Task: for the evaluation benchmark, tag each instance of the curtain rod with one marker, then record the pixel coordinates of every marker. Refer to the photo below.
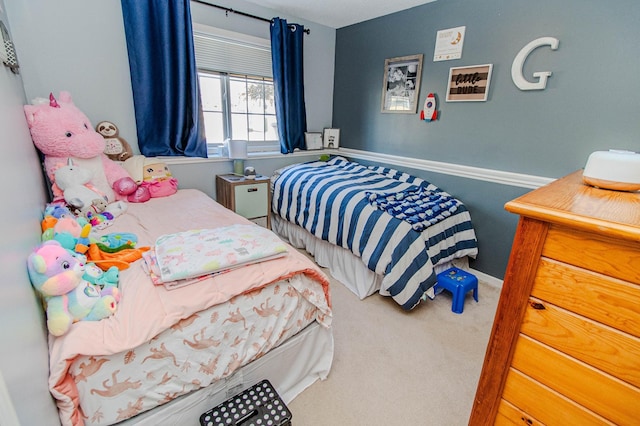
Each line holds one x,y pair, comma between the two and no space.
227,10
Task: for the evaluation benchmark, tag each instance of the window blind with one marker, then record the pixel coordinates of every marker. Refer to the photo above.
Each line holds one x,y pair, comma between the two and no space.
223,54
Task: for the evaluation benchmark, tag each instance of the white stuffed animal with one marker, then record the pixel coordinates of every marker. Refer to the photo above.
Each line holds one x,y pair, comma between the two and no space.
75,183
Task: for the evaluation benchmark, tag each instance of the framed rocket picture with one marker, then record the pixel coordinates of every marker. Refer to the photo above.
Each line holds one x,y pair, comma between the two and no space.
469,83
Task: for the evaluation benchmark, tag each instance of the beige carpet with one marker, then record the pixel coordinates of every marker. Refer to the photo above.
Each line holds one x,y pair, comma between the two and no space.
393,367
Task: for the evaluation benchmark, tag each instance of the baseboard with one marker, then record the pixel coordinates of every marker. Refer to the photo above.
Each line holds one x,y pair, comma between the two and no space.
492,281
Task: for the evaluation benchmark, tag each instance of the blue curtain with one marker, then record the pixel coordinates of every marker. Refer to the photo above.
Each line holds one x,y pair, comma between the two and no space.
164,78
288,83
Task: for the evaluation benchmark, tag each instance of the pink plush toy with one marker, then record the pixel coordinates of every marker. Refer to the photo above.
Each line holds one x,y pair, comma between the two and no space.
61,131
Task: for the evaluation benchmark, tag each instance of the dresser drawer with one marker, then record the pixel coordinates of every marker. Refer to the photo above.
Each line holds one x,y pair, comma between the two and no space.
539,405
252,200
607,300
595,391
610,256
604,348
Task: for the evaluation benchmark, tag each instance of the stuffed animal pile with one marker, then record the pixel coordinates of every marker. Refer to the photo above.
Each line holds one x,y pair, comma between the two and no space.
62,132
70,232
88,189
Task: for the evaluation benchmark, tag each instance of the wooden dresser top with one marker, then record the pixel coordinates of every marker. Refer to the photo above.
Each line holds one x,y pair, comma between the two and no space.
571,202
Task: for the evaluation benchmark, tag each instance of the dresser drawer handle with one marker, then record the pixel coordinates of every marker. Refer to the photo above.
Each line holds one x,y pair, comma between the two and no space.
537,305
252,189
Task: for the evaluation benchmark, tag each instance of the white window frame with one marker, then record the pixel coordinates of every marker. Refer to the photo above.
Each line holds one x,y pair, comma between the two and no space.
241,40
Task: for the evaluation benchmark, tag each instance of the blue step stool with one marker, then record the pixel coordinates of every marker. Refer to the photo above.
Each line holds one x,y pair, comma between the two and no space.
458,283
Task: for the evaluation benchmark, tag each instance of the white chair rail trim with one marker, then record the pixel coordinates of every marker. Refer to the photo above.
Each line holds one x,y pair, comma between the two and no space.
478,173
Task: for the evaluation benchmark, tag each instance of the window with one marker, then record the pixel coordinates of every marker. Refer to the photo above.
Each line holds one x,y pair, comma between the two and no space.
238,107
236,89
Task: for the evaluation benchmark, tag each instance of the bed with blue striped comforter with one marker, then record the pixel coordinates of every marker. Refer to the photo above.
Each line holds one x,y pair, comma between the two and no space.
332,201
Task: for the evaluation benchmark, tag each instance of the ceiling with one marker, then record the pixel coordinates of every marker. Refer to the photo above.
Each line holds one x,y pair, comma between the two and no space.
338,13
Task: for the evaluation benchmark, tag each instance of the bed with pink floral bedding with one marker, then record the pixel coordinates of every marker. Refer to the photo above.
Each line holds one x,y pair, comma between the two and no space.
163,343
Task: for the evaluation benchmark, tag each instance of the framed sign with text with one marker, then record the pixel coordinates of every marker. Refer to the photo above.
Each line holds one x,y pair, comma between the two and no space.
469,83
449,44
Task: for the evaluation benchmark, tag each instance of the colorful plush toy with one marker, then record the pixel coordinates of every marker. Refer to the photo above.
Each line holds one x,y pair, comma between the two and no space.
104,279
57,210
152,175
72,234
61,131
57,274
158,178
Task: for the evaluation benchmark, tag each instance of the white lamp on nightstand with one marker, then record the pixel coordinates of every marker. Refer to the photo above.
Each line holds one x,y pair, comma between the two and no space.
237,150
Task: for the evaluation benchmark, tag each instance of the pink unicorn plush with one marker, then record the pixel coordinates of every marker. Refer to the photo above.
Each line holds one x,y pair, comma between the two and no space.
61,131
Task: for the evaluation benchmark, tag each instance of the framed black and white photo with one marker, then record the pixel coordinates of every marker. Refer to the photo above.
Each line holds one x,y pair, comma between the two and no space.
313,140
401,84
331,138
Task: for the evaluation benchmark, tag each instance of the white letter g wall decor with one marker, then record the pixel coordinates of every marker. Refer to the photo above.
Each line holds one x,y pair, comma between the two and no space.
518,62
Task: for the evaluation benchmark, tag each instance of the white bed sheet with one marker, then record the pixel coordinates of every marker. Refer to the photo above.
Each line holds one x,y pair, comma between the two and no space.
342,263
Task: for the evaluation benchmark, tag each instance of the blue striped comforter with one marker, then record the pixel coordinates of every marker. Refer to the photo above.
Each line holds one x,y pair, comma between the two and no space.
329,200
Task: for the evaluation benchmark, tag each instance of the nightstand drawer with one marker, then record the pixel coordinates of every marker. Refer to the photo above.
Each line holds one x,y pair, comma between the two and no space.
252,200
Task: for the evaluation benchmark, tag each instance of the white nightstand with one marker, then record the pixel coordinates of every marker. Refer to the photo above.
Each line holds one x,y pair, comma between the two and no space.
250,198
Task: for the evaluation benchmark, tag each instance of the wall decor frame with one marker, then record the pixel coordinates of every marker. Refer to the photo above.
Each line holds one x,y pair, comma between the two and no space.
401,84
331,138
469,84
313,140
449,44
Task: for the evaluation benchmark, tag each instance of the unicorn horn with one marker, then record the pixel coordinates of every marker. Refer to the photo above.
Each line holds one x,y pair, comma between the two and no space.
52,101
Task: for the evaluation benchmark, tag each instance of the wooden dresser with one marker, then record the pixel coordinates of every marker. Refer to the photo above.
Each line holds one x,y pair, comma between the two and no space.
565,343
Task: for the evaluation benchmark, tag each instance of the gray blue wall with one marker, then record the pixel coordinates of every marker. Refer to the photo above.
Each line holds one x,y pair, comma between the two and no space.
590,102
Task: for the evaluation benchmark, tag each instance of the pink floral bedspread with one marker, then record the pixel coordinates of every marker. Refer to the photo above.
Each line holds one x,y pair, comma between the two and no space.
147,310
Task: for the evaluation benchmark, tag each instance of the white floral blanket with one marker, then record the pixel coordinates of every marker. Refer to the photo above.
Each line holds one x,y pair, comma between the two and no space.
199,252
